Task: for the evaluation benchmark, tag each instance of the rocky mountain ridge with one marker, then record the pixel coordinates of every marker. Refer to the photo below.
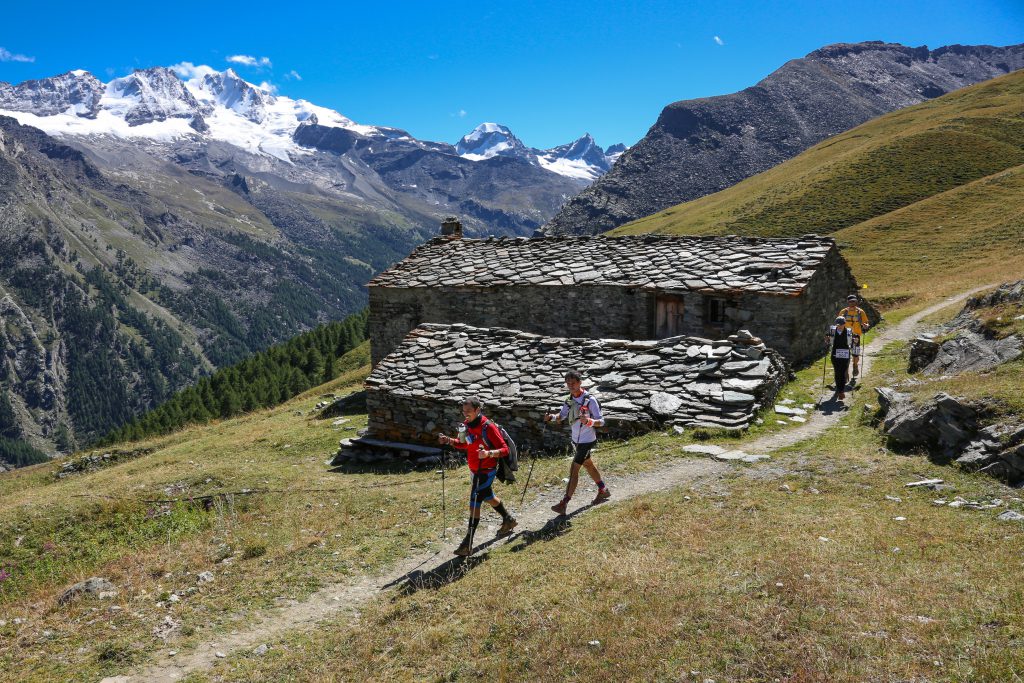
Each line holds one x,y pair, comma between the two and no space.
701,146
582,158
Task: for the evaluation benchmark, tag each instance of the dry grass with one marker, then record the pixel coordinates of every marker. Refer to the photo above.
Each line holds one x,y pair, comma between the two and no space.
734,582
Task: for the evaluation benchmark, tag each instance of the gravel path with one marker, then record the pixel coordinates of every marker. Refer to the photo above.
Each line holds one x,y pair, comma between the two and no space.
432,569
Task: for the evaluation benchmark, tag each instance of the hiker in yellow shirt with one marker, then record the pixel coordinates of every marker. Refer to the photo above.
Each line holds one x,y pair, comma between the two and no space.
857,323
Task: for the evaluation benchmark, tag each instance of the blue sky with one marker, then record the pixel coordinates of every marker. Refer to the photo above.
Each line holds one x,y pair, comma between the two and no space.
550,71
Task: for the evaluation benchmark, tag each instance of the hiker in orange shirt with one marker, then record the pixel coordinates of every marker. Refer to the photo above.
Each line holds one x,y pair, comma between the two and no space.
857,323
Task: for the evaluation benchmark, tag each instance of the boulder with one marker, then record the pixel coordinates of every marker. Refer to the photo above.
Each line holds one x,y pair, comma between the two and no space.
904,423
922,353
97,586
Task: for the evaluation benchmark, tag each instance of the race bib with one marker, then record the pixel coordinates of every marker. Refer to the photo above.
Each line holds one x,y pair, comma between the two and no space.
841,353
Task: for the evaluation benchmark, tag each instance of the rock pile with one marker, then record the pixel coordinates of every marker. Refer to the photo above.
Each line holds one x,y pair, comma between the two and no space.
642,385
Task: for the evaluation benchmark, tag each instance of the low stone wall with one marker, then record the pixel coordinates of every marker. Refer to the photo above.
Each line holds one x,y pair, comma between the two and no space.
415,392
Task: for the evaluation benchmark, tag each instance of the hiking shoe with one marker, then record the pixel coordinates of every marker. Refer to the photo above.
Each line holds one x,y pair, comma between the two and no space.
559,507
464,550
841,397
602,496
507,526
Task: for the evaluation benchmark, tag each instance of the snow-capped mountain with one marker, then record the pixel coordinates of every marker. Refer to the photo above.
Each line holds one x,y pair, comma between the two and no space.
169,104
582,159
488,140
183,102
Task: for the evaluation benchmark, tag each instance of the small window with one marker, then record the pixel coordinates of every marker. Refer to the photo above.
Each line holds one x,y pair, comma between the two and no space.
714,311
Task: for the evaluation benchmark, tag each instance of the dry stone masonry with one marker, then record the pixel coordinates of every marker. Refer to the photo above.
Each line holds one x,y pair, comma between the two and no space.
642,385
786,291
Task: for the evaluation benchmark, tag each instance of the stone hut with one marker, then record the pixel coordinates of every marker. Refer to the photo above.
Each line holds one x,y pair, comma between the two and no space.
785,291
642,385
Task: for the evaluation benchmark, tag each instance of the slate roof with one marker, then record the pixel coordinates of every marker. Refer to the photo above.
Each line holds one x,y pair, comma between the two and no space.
664,262
686,381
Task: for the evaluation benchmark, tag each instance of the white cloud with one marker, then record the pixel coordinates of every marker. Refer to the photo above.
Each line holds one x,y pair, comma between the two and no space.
188,70
268,87
293,74
248,60
7,56
460,113
719,41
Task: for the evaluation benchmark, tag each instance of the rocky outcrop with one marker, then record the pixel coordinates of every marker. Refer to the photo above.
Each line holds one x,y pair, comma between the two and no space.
922,352
701,146
950,430
642,385
969,351
974,346
944,425
997,450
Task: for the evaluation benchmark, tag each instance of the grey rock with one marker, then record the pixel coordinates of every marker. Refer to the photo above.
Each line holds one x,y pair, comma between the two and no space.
708,449
96,586
1010,516
973,352
665,404
640,361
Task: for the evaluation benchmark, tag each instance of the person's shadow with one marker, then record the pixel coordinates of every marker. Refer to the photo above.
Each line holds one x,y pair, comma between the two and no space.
453,569
833,405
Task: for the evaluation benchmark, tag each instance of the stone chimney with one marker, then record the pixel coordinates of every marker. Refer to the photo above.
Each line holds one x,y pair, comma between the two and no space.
451,227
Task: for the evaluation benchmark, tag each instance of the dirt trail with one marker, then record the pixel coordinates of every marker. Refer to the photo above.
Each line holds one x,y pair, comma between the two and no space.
536,519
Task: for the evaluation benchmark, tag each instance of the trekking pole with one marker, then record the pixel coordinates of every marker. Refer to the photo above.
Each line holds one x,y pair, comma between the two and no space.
824,370
533,460
444,499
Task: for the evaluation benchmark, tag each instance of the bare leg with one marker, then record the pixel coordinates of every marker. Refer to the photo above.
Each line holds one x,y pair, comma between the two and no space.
574,478
592,470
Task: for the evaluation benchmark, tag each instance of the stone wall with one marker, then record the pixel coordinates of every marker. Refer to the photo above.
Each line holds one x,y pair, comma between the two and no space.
585,311
642,385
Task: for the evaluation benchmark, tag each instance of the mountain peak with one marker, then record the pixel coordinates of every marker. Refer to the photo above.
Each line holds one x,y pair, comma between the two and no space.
231,91
489,140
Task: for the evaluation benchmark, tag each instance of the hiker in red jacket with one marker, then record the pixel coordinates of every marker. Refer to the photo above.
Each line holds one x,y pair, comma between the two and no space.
483,443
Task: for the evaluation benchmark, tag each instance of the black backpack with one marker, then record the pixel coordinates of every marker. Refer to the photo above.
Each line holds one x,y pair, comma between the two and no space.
509,465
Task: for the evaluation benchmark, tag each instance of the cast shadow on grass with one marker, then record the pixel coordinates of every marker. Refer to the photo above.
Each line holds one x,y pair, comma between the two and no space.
554,528
450,571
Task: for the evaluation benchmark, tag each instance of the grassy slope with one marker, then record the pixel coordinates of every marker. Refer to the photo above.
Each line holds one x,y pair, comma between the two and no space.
796,574
926,200
699,575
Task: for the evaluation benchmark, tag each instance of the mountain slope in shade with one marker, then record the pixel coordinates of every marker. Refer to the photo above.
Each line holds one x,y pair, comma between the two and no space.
701,146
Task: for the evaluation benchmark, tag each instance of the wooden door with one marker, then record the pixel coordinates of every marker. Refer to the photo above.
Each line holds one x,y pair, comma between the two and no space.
668,317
